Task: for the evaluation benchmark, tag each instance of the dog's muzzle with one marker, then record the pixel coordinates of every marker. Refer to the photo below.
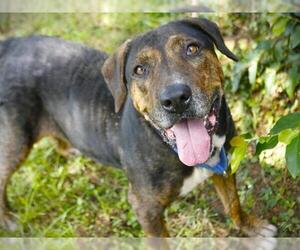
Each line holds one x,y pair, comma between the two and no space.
189,136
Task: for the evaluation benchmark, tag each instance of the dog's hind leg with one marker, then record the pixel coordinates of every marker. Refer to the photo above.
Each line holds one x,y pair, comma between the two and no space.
15,143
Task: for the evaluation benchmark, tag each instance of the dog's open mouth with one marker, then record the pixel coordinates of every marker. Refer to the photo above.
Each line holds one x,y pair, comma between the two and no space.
192,137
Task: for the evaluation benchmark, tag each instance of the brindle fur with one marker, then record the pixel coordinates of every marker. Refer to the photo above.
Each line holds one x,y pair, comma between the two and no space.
53,87
161,51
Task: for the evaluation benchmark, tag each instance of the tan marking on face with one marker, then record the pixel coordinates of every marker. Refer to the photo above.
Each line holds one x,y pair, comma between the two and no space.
203,71
208,73
140,98
149,56
143,89
174,44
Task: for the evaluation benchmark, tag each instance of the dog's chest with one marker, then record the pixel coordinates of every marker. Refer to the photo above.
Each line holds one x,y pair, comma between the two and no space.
201,174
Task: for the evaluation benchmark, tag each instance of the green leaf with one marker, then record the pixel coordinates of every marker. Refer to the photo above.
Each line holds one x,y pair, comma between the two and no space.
267,143
292,156
263,139
253,62
237,141
289,28
278,50
287,135
252,71
293,58
293,80
270,77
264,45
279,26
237,73
295,37
289,121
237,156
247,136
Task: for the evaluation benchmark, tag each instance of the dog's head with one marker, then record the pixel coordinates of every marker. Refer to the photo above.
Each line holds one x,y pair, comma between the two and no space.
175,81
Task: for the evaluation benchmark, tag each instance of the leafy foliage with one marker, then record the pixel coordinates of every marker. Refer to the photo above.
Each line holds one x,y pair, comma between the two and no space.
291,121
275,59
269,72
239,153
285,130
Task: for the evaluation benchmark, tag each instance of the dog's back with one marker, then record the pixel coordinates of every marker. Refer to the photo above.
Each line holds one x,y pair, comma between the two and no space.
33,60
55,87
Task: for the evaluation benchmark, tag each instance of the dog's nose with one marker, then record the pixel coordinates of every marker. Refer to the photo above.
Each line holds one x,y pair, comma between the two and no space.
176,98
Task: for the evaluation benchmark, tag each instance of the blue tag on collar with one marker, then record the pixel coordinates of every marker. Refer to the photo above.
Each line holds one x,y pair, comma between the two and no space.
221,167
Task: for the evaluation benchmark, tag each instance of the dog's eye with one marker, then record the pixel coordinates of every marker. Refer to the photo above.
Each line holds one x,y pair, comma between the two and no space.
192,49
139,70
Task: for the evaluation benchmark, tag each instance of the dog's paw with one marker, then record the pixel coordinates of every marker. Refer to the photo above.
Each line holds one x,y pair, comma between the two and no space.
258,243
262,235
261,232
261,229
267,230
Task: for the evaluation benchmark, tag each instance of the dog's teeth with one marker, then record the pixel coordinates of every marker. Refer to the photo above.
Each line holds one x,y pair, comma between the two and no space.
170,134
206,120
208,125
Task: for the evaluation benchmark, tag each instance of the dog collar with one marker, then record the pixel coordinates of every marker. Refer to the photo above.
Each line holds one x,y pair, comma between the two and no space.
220,168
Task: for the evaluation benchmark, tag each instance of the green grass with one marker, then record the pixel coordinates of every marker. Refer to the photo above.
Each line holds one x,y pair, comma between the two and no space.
55,196
65,197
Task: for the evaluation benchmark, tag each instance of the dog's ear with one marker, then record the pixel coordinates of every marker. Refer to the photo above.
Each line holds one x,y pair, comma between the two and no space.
212,30
113,71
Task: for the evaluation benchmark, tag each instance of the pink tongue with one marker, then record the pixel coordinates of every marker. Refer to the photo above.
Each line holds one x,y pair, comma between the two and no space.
193,141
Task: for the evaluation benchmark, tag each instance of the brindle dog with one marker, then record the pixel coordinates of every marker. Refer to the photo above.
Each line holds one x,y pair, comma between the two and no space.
166,87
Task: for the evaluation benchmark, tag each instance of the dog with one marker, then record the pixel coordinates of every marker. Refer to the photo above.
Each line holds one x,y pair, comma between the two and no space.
155,108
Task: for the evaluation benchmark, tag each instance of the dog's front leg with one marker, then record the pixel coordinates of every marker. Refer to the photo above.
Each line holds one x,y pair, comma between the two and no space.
226,189
149,211
248,224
